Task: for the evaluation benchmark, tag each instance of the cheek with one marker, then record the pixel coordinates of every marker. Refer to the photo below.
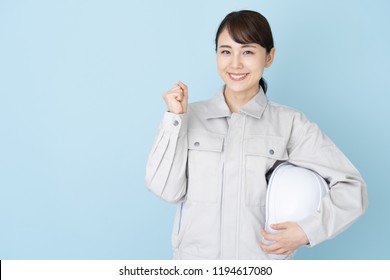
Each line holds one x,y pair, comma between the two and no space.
257,67
219,62
221,65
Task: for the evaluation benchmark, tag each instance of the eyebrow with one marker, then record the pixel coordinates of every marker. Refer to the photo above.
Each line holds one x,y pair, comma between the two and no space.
243,46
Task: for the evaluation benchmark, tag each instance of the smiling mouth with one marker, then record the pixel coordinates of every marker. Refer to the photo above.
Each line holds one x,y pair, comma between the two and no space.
237,77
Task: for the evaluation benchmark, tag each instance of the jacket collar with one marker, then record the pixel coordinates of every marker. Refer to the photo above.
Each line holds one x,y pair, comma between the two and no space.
217,107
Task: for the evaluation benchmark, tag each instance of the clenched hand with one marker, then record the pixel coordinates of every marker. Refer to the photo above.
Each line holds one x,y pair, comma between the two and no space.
177,98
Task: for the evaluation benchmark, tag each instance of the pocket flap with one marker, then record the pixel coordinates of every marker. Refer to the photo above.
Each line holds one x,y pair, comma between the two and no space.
266,146
205,141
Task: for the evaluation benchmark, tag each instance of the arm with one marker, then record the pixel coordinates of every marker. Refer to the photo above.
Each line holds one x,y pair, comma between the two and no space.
166,167
347,198
340,208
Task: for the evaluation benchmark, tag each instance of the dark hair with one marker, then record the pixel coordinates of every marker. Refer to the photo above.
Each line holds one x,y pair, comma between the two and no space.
246,27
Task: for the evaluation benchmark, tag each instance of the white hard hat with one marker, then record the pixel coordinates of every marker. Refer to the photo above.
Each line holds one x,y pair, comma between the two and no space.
293,194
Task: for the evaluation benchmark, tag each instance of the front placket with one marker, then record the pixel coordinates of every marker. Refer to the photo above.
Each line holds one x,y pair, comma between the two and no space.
232,187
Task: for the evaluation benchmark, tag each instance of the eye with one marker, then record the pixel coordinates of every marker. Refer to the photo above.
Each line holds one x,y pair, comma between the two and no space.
248,52
225,52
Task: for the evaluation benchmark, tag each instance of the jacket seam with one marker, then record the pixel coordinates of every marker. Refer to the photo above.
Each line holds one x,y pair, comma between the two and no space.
240,186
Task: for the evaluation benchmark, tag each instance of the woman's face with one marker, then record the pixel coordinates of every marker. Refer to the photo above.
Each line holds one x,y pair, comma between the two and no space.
241,66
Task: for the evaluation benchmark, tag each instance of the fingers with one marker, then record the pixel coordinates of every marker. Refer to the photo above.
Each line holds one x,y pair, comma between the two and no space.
179,90
289,237
274,248
277,250
266,235
280,226
184,88
173,95
177,98
270,236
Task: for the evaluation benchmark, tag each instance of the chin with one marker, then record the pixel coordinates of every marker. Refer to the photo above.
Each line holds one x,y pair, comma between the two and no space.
236,88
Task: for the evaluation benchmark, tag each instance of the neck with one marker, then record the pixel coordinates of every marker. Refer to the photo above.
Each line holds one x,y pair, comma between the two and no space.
235,100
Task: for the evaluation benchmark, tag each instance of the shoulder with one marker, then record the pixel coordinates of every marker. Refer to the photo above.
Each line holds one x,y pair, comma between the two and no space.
284,112
301,128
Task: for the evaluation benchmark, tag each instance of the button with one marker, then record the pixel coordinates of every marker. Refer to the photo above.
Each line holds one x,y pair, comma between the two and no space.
175,122
196,144
271,152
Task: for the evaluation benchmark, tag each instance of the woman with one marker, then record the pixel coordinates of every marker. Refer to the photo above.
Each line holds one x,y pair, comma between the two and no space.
212,158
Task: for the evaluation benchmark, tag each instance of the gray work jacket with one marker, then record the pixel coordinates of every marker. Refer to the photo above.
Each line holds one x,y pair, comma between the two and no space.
213,164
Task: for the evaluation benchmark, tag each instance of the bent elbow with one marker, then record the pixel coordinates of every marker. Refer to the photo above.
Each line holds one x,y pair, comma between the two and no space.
174,193
362,203
364,198
172,199
171,193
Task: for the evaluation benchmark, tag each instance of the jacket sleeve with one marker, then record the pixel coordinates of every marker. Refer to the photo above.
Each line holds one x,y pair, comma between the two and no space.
167,163
347,198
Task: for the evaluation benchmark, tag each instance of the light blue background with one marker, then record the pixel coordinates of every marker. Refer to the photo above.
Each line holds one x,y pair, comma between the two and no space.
80,102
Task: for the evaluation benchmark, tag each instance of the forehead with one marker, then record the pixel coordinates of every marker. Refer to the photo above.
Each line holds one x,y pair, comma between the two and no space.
225,39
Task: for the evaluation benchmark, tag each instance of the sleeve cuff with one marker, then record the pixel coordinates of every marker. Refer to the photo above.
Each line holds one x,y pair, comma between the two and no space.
174,123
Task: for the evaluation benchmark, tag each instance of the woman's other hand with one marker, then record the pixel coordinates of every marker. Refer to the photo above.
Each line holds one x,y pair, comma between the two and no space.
285,242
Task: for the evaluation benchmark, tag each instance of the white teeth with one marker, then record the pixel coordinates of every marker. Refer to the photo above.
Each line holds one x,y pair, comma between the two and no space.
237,77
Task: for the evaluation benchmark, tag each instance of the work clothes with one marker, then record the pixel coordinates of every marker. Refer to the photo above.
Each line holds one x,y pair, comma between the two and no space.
214,165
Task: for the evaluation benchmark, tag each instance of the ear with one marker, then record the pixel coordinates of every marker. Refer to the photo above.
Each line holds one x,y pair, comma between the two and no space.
269,58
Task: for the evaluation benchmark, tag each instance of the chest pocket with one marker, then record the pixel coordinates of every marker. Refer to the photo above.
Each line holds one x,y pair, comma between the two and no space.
261,153
204,165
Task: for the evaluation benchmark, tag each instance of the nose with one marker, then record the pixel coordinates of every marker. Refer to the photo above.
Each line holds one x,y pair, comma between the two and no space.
236,62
